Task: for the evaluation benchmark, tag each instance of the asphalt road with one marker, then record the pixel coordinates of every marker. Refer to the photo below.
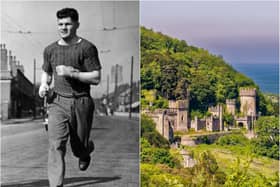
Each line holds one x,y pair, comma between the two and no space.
115,161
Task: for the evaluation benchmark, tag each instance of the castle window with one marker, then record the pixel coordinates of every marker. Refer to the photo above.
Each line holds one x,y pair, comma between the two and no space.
182,118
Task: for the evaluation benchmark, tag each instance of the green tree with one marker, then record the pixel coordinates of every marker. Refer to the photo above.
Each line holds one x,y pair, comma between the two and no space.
267,141
206,171
149,132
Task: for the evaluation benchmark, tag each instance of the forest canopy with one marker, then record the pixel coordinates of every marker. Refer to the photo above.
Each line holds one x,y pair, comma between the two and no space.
170,67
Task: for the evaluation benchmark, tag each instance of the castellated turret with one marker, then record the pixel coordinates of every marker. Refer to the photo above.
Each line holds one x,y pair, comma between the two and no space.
181,109
231,106
248,101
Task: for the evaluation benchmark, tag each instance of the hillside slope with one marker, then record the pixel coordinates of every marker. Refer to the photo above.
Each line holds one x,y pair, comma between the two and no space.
169,66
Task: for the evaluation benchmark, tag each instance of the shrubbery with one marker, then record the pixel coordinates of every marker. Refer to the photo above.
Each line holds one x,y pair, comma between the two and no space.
155,155
157,176
149,132
207,172
240,177
154,147
233,139
267,141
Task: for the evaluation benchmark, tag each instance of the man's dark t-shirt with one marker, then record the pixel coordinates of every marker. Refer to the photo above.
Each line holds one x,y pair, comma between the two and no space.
82,56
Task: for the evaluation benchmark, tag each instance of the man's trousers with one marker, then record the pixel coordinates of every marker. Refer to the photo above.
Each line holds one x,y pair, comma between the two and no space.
68,117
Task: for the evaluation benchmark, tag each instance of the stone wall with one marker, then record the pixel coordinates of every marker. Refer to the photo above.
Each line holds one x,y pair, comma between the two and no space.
231,106
198,124
248,101
212,124
193,140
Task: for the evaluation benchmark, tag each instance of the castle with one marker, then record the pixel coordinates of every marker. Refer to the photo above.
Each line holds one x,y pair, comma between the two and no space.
177,118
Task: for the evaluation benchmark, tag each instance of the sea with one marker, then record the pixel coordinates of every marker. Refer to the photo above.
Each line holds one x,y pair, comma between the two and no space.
266,76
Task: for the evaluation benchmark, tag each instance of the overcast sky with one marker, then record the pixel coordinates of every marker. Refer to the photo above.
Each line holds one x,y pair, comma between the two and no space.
115,46
242,32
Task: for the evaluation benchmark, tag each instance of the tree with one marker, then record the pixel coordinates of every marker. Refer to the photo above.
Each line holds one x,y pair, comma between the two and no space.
181,91
149,132
206,171
168,80
267,141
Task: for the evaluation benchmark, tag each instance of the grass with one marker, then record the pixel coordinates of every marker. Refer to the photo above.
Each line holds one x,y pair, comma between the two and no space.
226,157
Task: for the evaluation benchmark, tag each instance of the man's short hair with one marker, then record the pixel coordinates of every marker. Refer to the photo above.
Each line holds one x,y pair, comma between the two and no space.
68,12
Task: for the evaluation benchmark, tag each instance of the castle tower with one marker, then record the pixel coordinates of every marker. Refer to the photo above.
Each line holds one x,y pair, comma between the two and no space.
217,112
181,108
231,106
248,101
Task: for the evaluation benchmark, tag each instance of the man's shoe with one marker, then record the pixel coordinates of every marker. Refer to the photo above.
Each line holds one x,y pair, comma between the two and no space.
84,163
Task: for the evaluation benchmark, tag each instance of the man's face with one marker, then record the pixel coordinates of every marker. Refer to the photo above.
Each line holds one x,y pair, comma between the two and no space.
67,28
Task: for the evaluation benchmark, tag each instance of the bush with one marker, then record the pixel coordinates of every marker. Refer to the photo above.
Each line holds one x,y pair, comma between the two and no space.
233,139
148,131
239,176
155,176
154,155
267,141
206,171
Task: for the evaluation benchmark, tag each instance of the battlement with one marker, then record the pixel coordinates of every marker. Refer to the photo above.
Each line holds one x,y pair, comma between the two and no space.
215,108
179,104
247,92
230,101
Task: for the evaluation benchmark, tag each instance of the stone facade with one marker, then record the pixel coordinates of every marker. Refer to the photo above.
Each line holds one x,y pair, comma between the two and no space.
198,124
212,122
247,108
17,97
175,118
248,101
230,104
180,107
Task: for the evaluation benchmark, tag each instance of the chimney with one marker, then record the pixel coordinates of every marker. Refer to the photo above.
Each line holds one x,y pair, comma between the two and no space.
4,62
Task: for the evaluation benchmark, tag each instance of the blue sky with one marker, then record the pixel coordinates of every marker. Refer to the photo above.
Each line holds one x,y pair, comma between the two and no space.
242,32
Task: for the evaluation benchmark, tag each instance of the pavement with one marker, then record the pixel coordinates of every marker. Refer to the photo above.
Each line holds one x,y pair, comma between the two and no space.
115,161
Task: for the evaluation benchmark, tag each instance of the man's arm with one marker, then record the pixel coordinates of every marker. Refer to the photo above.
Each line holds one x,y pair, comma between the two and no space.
92,77
46,80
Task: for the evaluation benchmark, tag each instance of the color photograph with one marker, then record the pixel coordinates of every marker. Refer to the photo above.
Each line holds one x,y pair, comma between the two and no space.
209,93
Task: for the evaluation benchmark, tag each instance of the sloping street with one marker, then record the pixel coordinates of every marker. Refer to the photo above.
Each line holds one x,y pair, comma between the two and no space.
115,161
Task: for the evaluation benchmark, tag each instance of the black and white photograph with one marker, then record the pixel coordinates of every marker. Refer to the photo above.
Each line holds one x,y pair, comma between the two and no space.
70,93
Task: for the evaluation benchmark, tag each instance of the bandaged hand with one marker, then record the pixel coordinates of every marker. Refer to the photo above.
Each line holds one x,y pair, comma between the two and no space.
44,88
65,71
